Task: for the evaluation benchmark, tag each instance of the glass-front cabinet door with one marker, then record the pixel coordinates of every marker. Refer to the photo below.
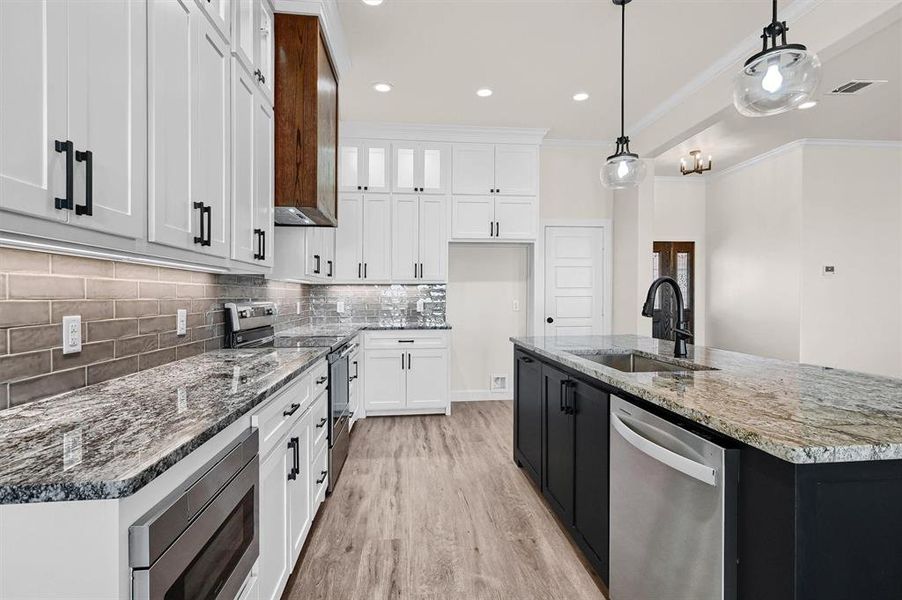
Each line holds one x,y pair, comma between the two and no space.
406,173
435,163
378,174
350,166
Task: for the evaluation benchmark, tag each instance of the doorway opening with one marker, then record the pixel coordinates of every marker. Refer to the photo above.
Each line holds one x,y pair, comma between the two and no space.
677,260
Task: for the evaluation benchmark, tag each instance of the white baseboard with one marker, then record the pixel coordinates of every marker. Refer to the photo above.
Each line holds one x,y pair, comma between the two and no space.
479,395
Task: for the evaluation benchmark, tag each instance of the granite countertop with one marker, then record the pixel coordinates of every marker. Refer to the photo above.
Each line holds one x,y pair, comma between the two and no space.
799,413
333,336
111,439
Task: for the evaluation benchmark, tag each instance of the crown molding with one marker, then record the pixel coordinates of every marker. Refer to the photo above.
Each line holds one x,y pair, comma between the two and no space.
440,133
801,143
333,31
571,143
730,60
679,179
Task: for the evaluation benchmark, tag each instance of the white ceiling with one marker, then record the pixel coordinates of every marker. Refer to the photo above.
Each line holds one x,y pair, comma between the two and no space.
534,54
875,114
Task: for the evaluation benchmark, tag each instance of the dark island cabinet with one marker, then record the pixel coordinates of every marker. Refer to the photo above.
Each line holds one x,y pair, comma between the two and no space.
561,442
558,472
528,415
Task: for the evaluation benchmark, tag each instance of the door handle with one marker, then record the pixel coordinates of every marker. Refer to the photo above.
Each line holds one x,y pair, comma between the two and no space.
359,270
69,148
568,398
561,403
402,361
414,270
293,446
684,465
321,380
421,270
526,359
491,229
258,255
549,320
87,208
364,270
263,243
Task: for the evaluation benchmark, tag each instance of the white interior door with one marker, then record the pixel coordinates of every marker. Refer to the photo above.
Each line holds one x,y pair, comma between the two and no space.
574,281
33,111
405,261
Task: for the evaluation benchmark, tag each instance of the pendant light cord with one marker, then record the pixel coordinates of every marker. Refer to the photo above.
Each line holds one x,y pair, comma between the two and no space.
623,68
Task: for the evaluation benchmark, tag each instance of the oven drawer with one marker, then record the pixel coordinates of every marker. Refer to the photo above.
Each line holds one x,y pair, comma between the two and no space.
276,416
319,478
418,338
319,376
319,425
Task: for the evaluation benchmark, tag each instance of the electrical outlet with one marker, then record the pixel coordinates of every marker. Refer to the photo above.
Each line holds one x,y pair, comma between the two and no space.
516,306
181,322
499,383
829,270
340,306
72,334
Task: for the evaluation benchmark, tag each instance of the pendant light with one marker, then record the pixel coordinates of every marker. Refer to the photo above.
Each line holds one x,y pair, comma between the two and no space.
778,79
623,169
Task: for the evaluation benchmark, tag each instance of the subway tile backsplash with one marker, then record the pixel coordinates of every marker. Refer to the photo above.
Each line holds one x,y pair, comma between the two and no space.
128,316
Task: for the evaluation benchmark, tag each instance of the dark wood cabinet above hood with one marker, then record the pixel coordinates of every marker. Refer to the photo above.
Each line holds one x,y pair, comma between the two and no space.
306,138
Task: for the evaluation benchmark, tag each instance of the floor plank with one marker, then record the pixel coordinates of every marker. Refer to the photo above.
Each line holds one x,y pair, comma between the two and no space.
433,508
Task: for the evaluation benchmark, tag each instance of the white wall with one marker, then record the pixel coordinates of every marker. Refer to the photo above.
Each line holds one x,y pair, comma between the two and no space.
680,217
771,228
753,247
570,184
484,281
851,218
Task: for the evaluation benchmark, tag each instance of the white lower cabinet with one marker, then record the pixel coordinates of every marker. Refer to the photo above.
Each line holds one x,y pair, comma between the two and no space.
406,372
291,487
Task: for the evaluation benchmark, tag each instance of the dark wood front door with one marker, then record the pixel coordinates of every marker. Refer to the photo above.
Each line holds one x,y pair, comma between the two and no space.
677,260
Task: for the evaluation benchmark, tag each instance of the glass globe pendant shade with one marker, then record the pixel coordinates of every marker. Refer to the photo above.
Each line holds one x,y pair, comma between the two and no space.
622,171
776,81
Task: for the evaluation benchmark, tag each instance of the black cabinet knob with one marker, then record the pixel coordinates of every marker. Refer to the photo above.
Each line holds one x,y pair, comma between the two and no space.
549,320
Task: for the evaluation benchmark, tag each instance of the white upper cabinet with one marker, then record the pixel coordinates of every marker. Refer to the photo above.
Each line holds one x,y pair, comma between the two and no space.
349,238
264,178
244,31
500,169
377,236
473,217
420,240
420,168
220,12
189,125
474,169
515,218
516,170
73,126
252,40
264,57
364,166
244,108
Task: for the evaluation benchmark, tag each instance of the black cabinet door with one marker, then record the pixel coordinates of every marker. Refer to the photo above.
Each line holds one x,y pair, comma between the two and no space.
591,464
528,415
557,474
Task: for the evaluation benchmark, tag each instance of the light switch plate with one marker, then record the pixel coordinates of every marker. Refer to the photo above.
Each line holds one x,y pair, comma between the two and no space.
516,306
72,334
181,322
421,304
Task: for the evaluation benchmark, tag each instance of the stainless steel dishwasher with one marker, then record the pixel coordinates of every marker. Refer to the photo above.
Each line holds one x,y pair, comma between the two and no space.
673,510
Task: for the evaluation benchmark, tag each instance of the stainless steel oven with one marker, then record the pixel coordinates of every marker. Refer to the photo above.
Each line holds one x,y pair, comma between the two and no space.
339,411
202,540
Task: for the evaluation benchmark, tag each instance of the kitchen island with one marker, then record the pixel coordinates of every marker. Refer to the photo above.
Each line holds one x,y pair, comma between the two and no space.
819,469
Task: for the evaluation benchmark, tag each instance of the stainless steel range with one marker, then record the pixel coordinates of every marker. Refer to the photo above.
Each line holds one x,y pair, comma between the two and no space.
251,325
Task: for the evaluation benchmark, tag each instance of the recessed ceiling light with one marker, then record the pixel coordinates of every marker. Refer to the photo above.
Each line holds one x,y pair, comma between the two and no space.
807,105
581,96
372,2
382,87
484,92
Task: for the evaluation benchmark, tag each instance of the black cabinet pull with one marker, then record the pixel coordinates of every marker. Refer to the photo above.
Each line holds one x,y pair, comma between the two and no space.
293,446
402,361
316,268
87,208
321,423
322,478
409,361
491,229
497,229
563,384
322,380
414,270
258,255
263,243
262,78
205,210
406,341
421,270
329,274
356,370
258,74
364,270
526,359
294,408
66,203
359,270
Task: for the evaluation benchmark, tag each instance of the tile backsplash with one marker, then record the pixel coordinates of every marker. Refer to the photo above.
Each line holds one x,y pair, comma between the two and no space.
128,314
378,304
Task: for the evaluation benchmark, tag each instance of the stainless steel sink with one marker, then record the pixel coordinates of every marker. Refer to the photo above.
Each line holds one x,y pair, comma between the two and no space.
629,362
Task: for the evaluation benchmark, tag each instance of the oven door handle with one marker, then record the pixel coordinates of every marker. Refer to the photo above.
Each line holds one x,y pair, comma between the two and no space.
166,570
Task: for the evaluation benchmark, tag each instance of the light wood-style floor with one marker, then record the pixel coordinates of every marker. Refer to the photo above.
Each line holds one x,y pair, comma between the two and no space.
435,508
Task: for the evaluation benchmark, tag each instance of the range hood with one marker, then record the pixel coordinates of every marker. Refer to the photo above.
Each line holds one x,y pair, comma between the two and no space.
306,125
